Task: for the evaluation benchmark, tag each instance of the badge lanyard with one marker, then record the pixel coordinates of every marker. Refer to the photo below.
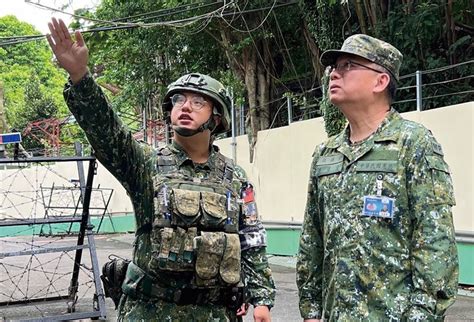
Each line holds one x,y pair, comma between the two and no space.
379,184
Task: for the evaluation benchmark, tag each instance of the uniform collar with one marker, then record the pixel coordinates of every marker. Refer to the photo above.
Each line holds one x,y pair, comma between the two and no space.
384,132
182,157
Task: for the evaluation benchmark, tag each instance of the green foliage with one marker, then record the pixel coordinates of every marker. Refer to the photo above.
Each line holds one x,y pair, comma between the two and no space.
24,67
143,61
419,29
38,107
334,120
324,22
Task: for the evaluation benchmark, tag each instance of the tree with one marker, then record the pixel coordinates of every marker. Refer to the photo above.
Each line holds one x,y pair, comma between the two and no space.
245,38
39,107
413,26
32,83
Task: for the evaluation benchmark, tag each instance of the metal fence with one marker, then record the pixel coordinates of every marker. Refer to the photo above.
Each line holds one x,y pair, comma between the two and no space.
421,90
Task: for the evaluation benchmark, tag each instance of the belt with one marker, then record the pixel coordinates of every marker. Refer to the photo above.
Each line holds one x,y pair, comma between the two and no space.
139,283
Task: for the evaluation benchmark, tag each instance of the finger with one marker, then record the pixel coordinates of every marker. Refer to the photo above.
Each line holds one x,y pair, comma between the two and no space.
54,31
50,27
79,39
51,43
63,29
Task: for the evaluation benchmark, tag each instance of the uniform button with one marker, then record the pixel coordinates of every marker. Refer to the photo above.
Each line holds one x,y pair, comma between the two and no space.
380,176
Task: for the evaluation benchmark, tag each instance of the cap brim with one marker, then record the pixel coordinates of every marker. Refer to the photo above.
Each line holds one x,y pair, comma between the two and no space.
329,57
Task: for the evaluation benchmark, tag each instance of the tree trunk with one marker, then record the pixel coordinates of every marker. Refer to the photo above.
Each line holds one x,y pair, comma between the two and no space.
360,16
384,8
225,42
368,10
250,74
3,121
314,51
409,4
111,88
264,76
450,29
373,8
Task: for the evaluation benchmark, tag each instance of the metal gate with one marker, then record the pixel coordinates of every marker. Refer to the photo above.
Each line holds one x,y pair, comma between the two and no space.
45,277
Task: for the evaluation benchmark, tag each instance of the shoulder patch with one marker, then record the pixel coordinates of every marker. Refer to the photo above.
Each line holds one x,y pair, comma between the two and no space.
437,148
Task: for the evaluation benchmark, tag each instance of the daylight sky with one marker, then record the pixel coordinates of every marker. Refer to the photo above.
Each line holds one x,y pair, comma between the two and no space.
39,17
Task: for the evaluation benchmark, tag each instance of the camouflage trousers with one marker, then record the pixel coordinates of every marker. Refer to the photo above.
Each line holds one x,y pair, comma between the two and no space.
131,309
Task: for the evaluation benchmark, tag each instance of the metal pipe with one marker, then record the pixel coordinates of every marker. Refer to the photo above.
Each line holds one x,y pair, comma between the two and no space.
232,112
419,107
290,110
242,119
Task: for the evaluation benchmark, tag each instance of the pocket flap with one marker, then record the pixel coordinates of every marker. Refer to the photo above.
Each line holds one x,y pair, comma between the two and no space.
377,166
230,265
327,169
209,254
437,163
214,204
186,202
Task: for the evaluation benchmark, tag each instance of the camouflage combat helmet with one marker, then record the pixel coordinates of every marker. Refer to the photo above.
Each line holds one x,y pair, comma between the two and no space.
210,88
370,48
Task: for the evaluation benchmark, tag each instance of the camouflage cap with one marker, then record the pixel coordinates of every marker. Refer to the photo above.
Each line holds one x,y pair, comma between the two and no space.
370,48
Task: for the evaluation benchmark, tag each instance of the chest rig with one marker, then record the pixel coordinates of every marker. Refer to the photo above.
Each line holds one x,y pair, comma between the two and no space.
195,224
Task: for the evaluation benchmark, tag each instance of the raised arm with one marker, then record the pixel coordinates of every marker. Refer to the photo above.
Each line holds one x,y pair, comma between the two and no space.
72,55
113,143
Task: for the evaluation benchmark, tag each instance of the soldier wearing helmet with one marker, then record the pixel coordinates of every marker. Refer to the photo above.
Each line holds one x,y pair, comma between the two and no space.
202,90
199,253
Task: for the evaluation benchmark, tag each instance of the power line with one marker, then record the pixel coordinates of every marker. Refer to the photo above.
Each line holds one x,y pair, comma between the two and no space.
14,40
287,50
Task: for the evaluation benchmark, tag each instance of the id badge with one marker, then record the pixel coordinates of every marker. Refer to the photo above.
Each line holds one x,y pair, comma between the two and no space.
380,207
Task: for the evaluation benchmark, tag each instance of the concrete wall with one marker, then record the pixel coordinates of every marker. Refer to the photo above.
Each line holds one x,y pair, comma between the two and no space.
281,166
283,156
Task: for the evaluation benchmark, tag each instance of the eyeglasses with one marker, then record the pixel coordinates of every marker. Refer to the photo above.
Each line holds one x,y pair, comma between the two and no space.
348,65
197,102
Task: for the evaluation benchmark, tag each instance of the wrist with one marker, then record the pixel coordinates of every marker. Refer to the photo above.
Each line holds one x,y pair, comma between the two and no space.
77,76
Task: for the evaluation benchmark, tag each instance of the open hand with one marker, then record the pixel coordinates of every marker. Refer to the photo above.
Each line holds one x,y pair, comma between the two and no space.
72,55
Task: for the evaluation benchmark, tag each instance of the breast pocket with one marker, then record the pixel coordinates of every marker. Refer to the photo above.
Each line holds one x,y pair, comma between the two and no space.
385,172
328,165
327,172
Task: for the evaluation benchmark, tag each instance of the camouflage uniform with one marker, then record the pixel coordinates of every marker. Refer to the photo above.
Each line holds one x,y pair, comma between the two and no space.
136,168
378,240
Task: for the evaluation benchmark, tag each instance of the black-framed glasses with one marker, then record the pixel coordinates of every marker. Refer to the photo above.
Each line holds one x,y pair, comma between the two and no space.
197,102
348,65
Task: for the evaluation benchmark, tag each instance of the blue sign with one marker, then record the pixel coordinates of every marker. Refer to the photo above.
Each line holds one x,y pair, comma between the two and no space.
10,138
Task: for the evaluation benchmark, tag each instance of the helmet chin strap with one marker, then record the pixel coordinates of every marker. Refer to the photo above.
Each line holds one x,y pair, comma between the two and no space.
210,124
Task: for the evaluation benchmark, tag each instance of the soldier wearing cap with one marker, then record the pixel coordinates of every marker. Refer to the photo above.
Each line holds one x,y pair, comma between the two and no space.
198,239
378,240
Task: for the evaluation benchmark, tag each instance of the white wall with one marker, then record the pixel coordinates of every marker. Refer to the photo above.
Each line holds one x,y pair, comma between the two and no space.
283,156
281,167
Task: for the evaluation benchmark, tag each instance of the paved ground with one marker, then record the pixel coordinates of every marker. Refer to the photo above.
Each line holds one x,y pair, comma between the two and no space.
286,306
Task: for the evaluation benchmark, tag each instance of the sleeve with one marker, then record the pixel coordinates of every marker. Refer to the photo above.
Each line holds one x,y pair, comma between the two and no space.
433,247
113,143
309,265
260,287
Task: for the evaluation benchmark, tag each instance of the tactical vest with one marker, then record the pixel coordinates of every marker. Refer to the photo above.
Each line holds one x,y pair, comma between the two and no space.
195,224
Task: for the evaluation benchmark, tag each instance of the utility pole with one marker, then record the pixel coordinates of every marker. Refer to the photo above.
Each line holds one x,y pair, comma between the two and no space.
3,123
